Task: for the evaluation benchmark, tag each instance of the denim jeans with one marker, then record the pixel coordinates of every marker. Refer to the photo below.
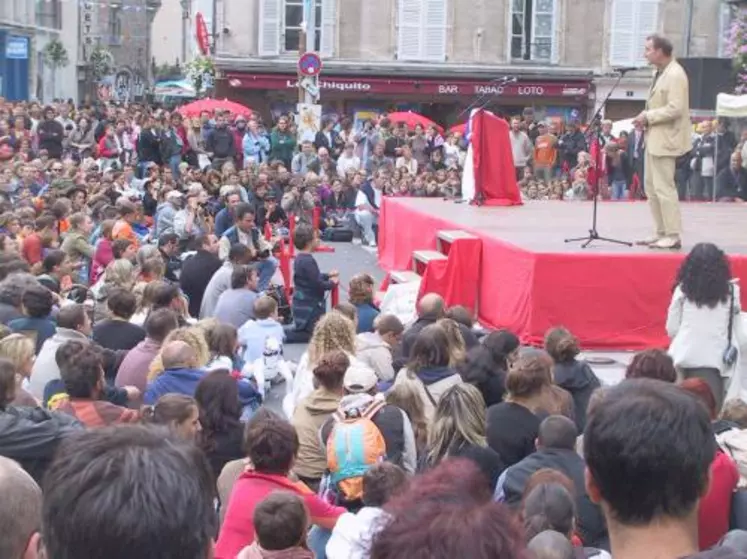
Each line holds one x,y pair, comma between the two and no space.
618,189
367,220
265,270
174,161
317,541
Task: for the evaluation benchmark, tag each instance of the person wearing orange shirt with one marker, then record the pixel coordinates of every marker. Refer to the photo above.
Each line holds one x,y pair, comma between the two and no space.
545,153
123,226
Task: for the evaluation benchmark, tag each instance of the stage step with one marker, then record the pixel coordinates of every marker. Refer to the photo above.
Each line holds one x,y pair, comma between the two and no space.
445,238
421,258
403,276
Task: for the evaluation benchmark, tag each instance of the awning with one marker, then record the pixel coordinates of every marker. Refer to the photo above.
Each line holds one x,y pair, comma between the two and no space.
572,89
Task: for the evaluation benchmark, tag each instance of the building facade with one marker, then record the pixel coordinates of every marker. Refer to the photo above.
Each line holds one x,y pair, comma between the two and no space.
26,27
442,57
122,28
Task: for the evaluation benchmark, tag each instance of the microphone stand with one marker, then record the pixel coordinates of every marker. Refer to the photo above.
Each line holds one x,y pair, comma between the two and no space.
594,133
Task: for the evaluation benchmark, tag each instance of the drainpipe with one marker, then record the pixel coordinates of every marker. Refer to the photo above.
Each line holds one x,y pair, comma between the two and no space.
688,27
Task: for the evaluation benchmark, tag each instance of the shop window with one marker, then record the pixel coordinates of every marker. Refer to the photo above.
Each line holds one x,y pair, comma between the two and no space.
421,31
48,13
281,21
114,25
631,22
533,30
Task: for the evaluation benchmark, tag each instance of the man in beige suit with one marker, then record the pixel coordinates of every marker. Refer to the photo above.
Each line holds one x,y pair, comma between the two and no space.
668,135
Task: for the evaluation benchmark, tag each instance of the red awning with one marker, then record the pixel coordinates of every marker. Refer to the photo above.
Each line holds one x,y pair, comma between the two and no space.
430,86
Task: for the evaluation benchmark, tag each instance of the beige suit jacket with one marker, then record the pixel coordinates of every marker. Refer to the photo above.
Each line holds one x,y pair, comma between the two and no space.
669,130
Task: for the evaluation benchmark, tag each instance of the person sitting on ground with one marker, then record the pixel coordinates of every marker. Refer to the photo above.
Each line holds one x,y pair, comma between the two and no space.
715,505
376,349
272,445
72,324
83,378
312,412
352,535
735,412
310,287
178,412
649,491
253,334
29,435
37,303
20,512
361,400
361,295
238,255
198,269
137,473
117,332
18,350
281,523
486,365
430,310
236,305
348,310
437,517
180,374
569,373
459,430
556,449
134,367
222,343
551,545
428,370
653,364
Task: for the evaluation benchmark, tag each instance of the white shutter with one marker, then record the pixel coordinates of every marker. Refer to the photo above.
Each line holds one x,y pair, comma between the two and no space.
409,40
269,27
328,27
647,23
622,32
543,30
434,30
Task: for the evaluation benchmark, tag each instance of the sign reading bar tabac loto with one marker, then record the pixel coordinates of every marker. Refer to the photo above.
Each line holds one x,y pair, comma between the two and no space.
425,86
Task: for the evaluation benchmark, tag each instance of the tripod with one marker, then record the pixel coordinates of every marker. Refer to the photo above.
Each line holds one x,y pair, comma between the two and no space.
594,134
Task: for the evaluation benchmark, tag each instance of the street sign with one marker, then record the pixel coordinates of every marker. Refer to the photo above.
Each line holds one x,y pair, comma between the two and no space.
310,85
309,64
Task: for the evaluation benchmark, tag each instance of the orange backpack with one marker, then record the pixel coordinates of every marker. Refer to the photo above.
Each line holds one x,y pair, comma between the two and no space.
354,445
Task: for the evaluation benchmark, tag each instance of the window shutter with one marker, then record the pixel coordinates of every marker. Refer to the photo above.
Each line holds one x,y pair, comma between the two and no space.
328,26
434,30
269,27
647,23
622,32
409,40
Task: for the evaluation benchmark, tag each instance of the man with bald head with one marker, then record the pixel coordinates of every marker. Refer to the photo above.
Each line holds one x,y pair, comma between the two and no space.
431,309
20,512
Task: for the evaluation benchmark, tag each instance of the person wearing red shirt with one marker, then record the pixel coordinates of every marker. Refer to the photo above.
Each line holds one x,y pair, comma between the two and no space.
123,226
32,249
272,444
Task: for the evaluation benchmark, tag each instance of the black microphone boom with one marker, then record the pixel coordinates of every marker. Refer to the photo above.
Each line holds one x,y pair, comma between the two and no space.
626,69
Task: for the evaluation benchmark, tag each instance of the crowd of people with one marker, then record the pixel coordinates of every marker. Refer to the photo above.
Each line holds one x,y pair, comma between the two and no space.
144,321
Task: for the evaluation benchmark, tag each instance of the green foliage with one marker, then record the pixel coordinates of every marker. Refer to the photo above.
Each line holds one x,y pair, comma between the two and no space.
55,54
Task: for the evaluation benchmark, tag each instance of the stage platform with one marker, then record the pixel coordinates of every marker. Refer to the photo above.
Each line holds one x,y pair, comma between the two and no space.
610,296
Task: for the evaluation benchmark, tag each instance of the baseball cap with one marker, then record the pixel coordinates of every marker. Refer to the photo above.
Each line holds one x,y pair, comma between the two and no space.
174,194
359,378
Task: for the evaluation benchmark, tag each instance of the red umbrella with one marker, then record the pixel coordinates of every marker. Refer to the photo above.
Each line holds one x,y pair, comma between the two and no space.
458,129
411,119
194,108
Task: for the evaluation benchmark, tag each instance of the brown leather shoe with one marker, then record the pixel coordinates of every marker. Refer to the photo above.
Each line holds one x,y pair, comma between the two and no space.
667,243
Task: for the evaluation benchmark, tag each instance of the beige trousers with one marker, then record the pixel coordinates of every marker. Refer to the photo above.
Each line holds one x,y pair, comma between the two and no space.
662,195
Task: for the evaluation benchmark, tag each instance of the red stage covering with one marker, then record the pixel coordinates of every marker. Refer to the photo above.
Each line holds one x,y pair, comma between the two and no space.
493,167
457,278
608,300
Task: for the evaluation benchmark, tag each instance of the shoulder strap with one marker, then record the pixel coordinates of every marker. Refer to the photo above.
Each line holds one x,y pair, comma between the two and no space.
430,396
373,408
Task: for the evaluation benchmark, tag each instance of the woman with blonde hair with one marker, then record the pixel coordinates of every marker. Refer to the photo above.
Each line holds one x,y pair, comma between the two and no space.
20,350
457,348
118,273
459,430
333,332
405,397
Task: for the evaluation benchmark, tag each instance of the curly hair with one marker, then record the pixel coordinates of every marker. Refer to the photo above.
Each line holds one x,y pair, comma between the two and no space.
192,336
333,331
361,289
704,275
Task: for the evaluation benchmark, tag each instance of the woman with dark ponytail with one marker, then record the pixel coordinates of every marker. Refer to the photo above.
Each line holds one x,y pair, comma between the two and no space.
486,365
571,374
176,411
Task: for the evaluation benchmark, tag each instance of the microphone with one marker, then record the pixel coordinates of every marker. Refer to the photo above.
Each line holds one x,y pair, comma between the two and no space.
626,69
